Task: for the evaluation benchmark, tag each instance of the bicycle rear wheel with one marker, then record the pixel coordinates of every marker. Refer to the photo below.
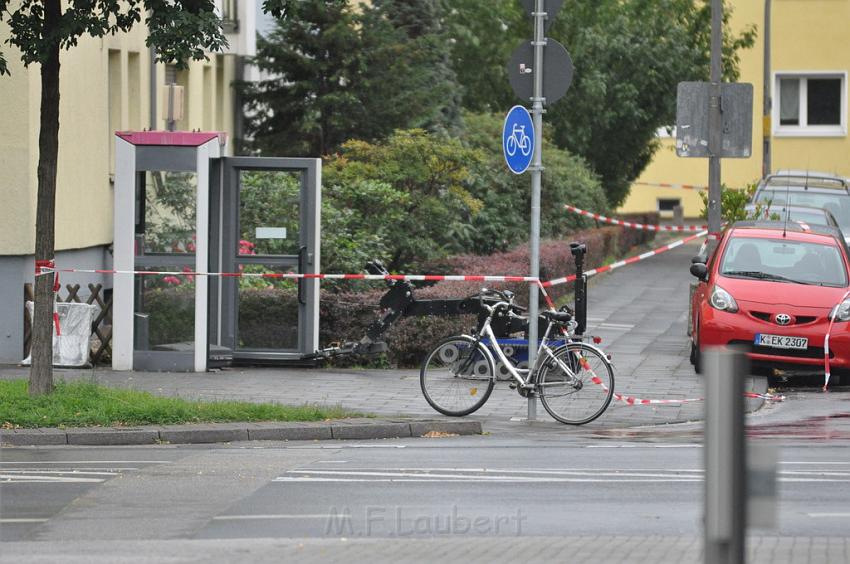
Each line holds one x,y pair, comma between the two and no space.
457,376
576,386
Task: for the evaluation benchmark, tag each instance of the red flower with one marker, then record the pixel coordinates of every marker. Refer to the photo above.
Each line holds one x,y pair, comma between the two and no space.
172,280
190,277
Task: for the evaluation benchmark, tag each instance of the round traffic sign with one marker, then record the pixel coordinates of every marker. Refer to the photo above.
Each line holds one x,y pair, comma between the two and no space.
518,139
557,71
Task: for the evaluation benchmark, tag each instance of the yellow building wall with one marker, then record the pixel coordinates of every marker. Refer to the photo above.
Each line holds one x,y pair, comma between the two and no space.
807,35
88,118
17,212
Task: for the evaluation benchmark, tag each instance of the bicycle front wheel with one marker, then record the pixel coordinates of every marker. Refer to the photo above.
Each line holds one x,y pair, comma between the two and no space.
457,376
576,384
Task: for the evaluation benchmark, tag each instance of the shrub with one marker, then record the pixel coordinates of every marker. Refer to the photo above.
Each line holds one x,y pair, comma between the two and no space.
171,313
503,221
733,203
268,318
346,315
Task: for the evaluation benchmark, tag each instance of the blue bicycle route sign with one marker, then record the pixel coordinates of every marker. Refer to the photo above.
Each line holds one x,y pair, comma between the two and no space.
518,139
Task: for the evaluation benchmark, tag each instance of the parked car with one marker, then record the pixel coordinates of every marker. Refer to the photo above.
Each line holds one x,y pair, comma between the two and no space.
807,188
801,214
769,288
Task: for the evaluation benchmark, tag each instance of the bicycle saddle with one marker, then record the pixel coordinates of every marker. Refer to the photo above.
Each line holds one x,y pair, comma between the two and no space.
556,316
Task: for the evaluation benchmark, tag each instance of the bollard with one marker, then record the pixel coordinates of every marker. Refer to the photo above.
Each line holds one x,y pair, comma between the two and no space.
579,250
724,457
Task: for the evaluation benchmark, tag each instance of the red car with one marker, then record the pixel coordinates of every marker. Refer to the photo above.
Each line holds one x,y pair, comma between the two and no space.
770,288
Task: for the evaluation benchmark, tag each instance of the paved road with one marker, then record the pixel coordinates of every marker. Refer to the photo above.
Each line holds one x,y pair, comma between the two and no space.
639,311
491,498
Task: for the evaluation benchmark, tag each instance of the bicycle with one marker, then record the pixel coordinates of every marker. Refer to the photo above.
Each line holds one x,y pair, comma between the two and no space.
575,381
523,141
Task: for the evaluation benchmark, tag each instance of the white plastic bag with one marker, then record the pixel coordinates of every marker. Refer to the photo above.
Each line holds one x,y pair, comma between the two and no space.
71,345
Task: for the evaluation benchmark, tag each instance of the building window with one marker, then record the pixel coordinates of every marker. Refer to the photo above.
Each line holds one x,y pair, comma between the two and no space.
810,104
666,206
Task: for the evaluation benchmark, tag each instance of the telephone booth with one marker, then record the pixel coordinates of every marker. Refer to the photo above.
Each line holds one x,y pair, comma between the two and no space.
183,208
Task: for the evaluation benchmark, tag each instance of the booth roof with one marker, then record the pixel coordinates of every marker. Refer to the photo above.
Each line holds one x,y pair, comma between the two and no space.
174,138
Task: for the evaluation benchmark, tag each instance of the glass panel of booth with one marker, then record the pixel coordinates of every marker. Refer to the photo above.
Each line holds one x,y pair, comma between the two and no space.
269,212
268,308
165,309
165,219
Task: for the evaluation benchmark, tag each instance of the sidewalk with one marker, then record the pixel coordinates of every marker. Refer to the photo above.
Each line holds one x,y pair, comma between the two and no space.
640,312
603,549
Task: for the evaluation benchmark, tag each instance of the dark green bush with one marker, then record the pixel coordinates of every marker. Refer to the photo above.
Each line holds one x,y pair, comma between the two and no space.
171,313
345,316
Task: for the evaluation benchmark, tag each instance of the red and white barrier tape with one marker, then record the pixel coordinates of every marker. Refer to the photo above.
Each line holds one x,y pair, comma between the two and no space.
46,267
407,277
677,186
632,225
630,400
294,275
622,263
826,372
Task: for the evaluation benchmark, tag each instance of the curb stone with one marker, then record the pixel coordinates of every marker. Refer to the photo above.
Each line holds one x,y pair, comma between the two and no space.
342,429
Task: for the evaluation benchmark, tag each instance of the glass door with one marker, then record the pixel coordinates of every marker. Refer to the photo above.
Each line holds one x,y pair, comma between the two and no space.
269,227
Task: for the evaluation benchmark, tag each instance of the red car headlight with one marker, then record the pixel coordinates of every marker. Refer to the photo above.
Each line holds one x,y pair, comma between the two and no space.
722,300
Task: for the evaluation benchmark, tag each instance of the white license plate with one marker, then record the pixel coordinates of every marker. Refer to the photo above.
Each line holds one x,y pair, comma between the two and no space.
781,342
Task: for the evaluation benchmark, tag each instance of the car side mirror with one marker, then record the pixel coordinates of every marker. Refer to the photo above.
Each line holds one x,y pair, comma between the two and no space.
700,270
698,258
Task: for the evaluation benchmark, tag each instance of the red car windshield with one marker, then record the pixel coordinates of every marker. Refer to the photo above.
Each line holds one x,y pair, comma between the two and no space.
783,260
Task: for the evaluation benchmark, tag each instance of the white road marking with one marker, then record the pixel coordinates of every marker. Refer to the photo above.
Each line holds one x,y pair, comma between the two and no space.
687,445
62,472
339,447
31,479
497,480
617,325
472,477
291,516
69,462
818,515
544,471
494,475
821,463
21,520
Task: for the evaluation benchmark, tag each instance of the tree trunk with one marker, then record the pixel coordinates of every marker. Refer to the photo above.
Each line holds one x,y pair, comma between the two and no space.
41,374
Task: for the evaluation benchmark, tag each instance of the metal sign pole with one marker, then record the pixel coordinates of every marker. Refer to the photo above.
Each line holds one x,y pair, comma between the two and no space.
536,181
724,458
715,119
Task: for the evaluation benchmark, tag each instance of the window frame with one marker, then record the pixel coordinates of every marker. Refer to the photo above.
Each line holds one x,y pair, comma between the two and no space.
805,130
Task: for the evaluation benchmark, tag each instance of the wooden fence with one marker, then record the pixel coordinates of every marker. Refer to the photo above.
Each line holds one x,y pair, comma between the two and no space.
101,327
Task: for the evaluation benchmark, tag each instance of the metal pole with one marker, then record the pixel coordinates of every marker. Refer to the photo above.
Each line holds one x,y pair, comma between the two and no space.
152,122
768,104
715,118
724,457
536,181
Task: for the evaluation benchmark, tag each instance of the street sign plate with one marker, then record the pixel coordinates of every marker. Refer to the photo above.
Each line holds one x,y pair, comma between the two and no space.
692,110
551,7
518,139
557,71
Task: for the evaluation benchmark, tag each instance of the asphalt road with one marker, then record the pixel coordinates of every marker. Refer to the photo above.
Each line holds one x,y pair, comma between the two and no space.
640,483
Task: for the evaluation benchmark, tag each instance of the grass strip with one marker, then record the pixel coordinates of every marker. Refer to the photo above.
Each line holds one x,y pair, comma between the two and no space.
85,404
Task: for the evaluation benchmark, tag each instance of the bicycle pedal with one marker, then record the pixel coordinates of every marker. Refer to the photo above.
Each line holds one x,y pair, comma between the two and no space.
512,385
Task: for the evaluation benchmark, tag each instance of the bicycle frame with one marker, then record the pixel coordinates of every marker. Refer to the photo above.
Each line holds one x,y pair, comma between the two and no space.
530,372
